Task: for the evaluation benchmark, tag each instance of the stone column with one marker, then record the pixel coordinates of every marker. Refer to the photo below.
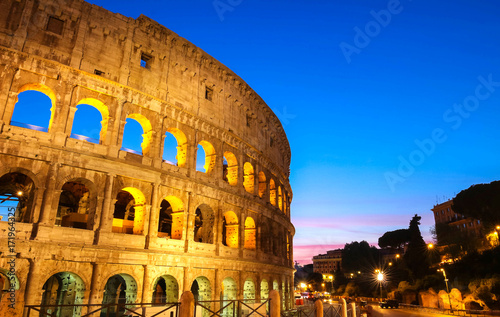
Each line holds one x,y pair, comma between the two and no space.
147,296
33,291
107,208
47,216
153,216
96,292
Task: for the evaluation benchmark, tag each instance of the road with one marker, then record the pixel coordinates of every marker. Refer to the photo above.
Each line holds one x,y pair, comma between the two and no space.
392,312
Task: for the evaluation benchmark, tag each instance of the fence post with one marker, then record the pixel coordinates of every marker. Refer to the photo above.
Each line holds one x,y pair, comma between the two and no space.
275,309
344,307
318,307
186,308
353,309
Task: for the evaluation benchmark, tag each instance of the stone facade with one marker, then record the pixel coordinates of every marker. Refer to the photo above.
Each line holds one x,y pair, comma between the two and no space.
97,223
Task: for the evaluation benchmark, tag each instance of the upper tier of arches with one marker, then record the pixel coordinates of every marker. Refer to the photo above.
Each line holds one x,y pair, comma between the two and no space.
140,134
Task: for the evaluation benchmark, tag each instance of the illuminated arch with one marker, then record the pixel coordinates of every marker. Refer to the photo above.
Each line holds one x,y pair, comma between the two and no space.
209,158
119,289
202,291
230,230
17,195
204,224
181,152
272,192
129,213
248,289
165,290
229,292
147,129
103,110
171,222
230,169
75,205
262,184
280,199
264,289
44,90
63,288
250,238
248,178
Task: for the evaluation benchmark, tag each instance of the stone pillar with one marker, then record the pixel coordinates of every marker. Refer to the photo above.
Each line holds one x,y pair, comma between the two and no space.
96,292
47,216
275,309
33,291
153,216
147,296
107,208
353,309
71,118
318,306
186,308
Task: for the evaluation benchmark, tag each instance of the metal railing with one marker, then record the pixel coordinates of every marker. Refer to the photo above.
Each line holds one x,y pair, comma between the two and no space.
106,310
232,308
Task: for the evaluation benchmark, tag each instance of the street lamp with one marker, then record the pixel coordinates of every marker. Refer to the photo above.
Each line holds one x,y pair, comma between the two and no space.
447,288
380,278
430,246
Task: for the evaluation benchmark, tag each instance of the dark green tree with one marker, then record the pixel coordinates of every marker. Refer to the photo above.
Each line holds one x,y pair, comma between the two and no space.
416,256
481,201
359,256
396,239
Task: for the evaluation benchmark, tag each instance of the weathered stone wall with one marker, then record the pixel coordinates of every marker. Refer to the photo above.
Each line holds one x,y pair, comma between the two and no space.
75,53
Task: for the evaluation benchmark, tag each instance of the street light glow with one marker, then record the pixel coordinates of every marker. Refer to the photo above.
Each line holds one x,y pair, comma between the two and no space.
430,246
380,276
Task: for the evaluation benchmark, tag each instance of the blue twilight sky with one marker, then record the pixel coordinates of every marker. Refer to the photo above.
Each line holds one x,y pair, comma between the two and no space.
389,106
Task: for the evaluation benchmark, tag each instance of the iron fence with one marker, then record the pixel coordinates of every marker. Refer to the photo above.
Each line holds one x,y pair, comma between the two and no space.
232,308
106,310
456,312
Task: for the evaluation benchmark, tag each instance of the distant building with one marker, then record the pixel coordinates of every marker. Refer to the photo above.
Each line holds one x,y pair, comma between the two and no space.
444,214
329,262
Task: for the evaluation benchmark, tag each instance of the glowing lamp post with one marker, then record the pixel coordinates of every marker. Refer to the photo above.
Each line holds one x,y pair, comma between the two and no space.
447,288
380,279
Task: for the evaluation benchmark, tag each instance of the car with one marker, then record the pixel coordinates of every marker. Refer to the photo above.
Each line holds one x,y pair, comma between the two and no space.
390,303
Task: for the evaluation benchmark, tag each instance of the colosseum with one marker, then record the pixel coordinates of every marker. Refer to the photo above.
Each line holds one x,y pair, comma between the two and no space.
134,166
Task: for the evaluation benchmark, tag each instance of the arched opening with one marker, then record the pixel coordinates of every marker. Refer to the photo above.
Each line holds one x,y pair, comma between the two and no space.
230,230
288,255
250,239
91,121
175,147
249,290
171,222
204,224
137,134
230,169
120,289
166,290
8,283
201,289
264,290
17,193
34,108
262,184
285,203
128,216
280,199
205,157
64,288
248,178
74,205
283,295
229,293
276,285
272,192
